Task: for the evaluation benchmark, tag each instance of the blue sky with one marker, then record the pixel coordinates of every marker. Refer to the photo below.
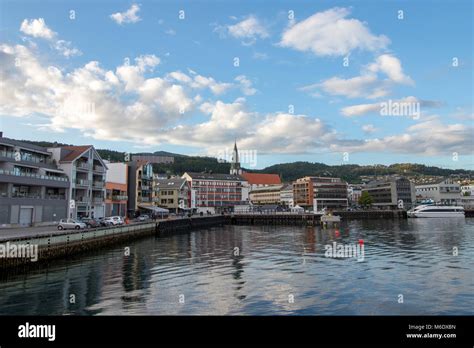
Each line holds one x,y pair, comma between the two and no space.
179,90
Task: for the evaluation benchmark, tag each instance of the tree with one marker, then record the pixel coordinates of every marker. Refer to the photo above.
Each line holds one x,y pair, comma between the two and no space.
365,199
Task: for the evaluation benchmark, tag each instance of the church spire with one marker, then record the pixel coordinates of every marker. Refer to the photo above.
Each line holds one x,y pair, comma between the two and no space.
235,164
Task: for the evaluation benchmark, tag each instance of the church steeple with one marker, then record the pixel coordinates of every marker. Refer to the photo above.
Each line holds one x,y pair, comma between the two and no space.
235,164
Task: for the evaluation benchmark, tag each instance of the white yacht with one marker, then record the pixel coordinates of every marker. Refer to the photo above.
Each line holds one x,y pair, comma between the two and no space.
436,211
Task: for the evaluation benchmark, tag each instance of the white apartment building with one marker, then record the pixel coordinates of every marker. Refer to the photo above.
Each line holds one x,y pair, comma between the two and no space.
86,171
446,191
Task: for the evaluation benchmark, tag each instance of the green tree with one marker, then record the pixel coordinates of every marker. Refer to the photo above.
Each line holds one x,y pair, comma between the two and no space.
365,199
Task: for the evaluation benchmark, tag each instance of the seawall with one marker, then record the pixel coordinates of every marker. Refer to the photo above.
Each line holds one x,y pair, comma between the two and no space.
69,242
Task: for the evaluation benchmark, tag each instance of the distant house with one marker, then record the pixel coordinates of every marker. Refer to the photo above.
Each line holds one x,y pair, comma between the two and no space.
173,194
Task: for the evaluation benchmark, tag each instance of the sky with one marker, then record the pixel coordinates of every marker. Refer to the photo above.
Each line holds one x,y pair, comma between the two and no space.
337,82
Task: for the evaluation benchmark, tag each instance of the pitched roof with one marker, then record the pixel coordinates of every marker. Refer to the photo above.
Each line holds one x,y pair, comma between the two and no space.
76,151
175,183
262,179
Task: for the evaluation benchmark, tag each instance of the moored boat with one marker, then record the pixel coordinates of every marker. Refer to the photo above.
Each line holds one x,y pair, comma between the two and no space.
436,211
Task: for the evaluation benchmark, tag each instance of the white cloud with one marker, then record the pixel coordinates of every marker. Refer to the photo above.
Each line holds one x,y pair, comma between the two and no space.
368,84
392,67
120,105
37,28
245,85
248,30
129,16
330,33
369,128
363,109
429,138
197,81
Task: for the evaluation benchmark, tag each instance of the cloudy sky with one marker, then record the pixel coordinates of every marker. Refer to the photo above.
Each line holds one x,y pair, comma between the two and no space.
295,80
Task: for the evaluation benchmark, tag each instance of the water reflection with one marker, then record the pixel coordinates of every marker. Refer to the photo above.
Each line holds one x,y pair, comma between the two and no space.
254,270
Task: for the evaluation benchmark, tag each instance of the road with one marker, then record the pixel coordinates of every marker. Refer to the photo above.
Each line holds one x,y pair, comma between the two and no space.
9,233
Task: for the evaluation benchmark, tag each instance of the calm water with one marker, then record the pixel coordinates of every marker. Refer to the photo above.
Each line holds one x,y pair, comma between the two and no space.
409,257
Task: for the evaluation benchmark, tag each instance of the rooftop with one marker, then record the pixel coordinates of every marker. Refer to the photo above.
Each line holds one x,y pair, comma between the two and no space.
262,179
217,176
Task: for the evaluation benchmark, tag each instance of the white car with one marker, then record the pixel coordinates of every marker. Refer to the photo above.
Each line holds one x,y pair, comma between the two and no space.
65,224
115,220
143,217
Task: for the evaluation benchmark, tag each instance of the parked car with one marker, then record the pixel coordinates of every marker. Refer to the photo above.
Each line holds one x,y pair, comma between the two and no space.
91,223
115,220
143,217
103,222
65,224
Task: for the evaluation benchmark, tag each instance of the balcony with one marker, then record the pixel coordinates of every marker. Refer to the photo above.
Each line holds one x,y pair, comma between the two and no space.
84,200
98,200
98,184
33,175
55,197
82,182
156,199
26,157
119,198
145,187
144,199
83,166
26,195
99,169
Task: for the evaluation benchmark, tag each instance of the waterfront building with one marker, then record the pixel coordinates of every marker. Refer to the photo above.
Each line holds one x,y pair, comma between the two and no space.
173,194
392,193
33,189
467,190
86,172
353,193
216,192
286,196
320,192
445,191
116,198
153,159
258,180
266,195
140,187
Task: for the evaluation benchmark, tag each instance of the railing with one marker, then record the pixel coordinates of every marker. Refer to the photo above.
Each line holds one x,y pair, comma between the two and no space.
83,165
98,184
144,199
55,196
119,198
26,195
32,175
144,187
98,200
82,199
83,182
25,157
99,169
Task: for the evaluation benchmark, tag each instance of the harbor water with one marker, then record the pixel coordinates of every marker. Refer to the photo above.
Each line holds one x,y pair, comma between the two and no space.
409,267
